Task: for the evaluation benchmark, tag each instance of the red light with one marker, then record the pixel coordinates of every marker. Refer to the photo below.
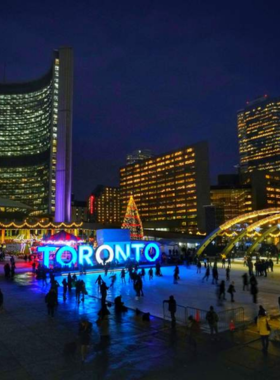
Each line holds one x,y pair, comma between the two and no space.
91,204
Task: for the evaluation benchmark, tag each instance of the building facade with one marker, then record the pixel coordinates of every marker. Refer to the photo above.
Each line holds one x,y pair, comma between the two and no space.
170,190
257,191
259,135
230,202
104,205
36,140
79,211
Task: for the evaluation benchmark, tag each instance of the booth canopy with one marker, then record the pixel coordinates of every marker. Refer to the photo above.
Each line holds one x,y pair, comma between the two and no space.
62,237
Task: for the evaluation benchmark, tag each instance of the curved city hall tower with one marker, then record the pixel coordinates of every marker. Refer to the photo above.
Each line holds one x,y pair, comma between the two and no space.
36,139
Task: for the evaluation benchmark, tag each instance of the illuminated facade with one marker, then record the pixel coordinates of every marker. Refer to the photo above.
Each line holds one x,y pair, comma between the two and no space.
258,190
79,211
170,190
230,202
36,140
104,205
259,135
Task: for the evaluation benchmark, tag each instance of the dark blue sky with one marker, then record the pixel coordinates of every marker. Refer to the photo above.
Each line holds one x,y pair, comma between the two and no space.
148,74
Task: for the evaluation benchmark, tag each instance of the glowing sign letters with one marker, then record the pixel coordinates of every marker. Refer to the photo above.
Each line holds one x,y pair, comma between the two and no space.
106,253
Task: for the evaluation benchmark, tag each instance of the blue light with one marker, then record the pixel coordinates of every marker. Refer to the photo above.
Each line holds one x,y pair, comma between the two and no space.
85,254
120,253
137,247
147,253
46,254
105,253
60,252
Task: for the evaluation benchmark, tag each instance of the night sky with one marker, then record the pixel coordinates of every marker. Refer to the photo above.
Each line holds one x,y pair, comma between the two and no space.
148,74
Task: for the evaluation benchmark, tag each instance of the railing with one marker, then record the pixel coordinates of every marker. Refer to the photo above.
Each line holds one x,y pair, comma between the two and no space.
228,319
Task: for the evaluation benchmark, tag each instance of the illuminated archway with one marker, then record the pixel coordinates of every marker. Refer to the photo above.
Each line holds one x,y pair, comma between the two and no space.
261,238
234,221
250,228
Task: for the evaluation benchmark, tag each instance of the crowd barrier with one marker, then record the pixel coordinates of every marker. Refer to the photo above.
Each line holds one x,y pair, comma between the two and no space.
228,319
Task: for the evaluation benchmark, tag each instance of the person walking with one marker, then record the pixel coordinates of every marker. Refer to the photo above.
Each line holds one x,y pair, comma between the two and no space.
103,290
151,274
78,290
172,308
123,276
83,290
215,275
176,275
263,329
207,273
245,281
64,284
51,302
99,282
212,319
198,267
222,290
69,281
85,329
228,273
13,267
231,291
254,292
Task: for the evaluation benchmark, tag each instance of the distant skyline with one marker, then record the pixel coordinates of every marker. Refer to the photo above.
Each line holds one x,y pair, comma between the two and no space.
153,75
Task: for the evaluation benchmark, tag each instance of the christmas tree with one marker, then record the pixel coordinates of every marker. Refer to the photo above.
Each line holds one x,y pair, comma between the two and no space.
132,221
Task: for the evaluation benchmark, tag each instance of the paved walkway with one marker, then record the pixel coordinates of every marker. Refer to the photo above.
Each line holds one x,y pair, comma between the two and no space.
31,344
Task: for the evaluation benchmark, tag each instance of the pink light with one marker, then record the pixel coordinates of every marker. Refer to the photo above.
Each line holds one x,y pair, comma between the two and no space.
62,242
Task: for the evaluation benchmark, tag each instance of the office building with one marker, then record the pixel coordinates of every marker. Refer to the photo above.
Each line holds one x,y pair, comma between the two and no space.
79,211
230,198
259,135
170,190
137,156
36,140
104,205
235,195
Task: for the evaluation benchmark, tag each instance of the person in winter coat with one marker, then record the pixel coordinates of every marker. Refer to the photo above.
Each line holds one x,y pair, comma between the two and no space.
212,319
263,329
51,302
231,291
172,308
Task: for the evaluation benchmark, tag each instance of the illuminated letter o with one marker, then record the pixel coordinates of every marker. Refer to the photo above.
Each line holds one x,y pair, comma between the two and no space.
147,254
66,249
98,253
